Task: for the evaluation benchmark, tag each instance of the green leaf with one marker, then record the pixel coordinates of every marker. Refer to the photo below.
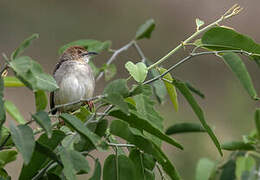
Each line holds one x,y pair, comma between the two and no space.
68,168
101,127
118,86
145,109
143,124
145,30
220,38
199,23
170,88
116,91
126,170
131,135
42,118
31,74
46,151
244,164
4,175
2,109
204,169
89,44
97,172
109,70
118,100
149,175
141,172
7,156
138,71
78,161
237,145
11,81
40,100
197,110
14,112
184,127
5,132
228,172
149,161
159,88
195,90
238,67
136,157
23,139
24,45
83,114
76,124
40,159
257,121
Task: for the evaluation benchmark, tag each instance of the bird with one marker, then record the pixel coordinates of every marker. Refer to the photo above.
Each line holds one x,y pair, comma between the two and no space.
75,79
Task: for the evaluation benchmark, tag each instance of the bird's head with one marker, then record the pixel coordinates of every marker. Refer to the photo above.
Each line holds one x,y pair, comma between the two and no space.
77,53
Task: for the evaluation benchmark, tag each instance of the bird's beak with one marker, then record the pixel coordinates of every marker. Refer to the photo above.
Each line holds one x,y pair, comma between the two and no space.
89,53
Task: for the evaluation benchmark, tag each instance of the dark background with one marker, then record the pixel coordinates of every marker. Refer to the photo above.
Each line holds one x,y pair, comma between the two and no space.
228,108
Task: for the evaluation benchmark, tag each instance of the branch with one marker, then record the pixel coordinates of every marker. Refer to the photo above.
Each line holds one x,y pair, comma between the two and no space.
193,55
41,173
161,172
140,52
113,57
76,102
120,145
234,10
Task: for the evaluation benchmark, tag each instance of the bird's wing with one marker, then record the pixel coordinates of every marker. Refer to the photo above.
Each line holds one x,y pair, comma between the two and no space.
52,104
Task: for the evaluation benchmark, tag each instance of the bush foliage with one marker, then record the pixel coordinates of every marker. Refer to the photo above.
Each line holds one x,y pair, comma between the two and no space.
60,151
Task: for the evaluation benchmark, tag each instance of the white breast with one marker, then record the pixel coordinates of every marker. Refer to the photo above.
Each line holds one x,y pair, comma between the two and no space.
76,82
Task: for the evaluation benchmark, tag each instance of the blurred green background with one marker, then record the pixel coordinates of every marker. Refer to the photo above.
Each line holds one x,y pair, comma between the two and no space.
228,108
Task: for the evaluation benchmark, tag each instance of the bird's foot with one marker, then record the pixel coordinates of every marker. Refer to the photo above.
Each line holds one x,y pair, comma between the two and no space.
61,123
91,106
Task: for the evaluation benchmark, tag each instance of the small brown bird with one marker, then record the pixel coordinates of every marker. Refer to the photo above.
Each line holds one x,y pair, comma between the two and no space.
74,77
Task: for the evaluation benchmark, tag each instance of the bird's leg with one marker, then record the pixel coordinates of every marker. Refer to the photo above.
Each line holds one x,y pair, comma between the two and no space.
90,105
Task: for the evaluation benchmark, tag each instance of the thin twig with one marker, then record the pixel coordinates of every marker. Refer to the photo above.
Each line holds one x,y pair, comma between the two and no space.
113,57
76,102
193,55
140,52
120,145
42,171
102,115
161,172
117,165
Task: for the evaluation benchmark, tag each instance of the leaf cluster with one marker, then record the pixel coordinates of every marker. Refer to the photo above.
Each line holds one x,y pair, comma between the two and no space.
60,152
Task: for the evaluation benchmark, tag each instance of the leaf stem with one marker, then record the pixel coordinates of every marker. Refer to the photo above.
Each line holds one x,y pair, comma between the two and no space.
42,171
117,167
161,172
120,145
234,10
